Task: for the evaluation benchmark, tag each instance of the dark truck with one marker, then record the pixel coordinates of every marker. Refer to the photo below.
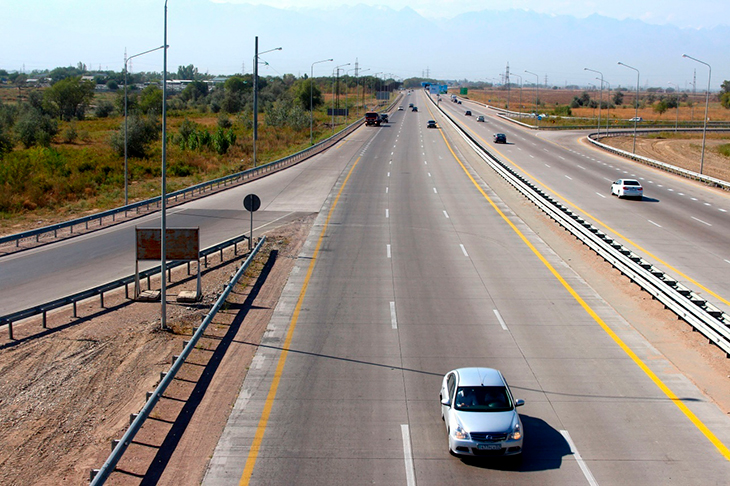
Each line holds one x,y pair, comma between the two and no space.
372,118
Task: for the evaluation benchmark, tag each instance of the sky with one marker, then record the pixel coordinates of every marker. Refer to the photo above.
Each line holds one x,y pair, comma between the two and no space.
43,34
695,14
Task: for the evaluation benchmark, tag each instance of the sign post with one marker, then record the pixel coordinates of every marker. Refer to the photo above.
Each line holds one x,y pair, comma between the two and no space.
251,203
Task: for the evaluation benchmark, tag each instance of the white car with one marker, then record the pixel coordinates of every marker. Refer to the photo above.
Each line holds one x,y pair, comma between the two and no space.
480,414
627,188
636,119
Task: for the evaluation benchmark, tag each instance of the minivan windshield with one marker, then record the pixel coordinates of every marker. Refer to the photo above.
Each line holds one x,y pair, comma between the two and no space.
482,399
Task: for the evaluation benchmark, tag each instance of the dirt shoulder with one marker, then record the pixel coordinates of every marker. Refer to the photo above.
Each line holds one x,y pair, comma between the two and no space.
68,391
680,152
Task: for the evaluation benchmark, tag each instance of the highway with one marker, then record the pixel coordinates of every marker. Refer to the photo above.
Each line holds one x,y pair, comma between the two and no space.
680,225
49,272
415,267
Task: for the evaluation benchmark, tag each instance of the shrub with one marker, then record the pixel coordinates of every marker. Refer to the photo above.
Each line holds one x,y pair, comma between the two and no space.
724,149
141,132
34,128
224,121
70,134
103,109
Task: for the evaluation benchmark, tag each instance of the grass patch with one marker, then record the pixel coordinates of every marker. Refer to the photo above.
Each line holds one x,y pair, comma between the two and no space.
724,149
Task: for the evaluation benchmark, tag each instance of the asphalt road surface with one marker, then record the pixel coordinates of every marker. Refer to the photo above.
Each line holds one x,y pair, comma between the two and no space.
415,267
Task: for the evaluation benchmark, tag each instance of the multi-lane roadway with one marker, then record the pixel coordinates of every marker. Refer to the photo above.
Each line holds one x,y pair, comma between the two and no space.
415,267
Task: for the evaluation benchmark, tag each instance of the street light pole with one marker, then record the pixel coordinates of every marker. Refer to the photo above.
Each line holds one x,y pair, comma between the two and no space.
636,102
608,106
707,104
311,112
600,99
357,89
163,197
537,87
676,121
256,93
126,66
334,82
514,74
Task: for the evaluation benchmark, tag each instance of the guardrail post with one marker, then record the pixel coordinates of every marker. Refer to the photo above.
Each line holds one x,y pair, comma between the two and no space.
101,299
10,331
75,315
188,264
92,474
206,261
115,442
45,324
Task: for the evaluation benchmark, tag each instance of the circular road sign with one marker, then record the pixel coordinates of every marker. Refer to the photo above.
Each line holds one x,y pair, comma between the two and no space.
251,202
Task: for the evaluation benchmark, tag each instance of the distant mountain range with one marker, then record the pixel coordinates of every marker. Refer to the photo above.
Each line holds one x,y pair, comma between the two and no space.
219,38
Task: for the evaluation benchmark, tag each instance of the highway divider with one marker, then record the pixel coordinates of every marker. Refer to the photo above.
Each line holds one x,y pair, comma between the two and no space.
99,476
686,304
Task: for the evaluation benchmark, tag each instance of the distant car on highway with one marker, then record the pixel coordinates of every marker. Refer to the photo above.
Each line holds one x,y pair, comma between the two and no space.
636,119
384,118
415,108
480,413
459,101
480,118
500,138
627,188
400,108
431,124
467,113
410,105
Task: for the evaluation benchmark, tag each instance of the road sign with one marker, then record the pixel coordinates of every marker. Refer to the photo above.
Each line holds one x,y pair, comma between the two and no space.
251,202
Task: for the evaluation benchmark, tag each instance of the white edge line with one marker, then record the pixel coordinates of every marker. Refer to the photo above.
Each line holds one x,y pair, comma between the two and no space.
387,213
446,214
393,320
583,466
388,249
652,222
408,456
463,250
604,197
501,321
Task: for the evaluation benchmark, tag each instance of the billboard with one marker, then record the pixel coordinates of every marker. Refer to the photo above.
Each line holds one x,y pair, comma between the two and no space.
464,91
433,89
443,89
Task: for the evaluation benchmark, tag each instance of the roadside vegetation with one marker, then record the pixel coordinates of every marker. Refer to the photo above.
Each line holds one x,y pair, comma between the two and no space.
62,137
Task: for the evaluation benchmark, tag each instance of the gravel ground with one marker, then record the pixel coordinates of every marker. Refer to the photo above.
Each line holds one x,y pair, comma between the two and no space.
68,391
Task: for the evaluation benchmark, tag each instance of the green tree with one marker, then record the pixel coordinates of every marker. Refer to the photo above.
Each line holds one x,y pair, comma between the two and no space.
661,107
725,94
187,72
150,100
235,84
35,128
194,91
70,97
302,94
141,131
618,98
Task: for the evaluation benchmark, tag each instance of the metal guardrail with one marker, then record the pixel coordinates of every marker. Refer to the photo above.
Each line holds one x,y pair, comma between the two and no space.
713,181
182,194
99,476
704,317
100,290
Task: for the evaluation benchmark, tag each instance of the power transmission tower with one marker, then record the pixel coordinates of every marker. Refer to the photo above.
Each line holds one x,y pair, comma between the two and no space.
506,80
546,82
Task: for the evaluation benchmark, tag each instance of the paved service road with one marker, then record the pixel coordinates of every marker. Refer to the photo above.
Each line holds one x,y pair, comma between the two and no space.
414,267
53,271
680,225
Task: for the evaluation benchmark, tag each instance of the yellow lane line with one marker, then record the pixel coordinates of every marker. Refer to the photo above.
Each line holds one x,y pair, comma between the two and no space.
268,405
605,226
724,450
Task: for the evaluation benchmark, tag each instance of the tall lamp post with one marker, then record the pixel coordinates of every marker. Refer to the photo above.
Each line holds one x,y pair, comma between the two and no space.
537,87
357,89
676,121
600,98
256,93
334,82
126,66
513,74
707,104
347,92
311,112
608,105
163,197
636,102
